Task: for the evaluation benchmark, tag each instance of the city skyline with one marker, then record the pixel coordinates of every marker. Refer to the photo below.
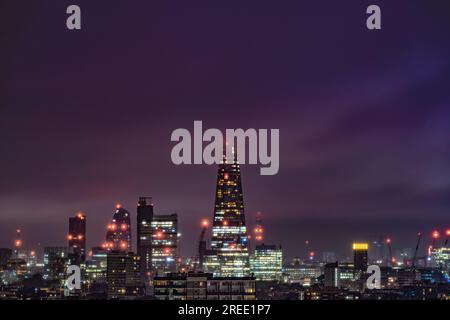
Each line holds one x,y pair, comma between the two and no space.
86,117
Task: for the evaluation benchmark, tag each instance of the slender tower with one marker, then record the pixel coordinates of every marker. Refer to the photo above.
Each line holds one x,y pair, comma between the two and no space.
144,233
77,237
229,233
258,230
17,243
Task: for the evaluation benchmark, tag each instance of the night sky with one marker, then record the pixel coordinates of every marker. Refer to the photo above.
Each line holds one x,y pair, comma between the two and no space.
86,116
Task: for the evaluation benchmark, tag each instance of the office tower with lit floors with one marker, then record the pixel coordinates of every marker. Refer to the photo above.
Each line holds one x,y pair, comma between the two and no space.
164,231
144,233
229,233
118,236
267,263
77,238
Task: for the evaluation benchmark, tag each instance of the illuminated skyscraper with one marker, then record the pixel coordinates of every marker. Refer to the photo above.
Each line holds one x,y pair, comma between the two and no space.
144,233
164,243
360,251
77,237
118,236
229,232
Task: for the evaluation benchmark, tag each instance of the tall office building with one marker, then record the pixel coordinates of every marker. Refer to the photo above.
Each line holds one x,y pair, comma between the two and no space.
77,238
144,233
267,263
229,232
123,275
118,236
332,275
360,251
164,231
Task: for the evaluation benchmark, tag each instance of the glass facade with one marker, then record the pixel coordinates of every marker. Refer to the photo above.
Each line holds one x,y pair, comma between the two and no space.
267,263
229,232
164,243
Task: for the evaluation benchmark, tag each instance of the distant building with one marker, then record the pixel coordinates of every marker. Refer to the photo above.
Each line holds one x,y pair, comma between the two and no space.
164,230
96,266
360,256
378,253
305,275
17,270
144,234
267,263
5,255
408,277
211,263
329,257
56,260
77,238
406,255
332,275
118,236
330,293
441,257
123,275
203,286
347,278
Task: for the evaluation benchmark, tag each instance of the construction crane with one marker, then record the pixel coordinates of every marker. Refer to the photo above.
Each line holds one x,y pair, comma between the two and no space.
435,235
419,236
201,246
391,258
447,232
258,230
18,242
